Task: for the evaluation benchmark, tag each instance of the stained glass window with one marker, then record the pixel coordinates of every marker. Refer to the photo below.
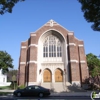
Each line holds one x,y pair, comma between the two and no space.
52,47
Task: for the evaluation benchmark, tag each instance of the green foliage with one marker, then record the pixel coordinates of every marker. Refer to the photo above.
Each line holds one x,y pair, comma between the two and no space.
95,71
10,74
7,5
5,61
4,87
93,64
21,86
91,10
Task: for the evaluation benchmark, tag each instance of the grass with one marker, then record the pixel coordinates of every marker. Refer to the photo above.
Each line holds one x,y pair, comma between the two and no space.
4,87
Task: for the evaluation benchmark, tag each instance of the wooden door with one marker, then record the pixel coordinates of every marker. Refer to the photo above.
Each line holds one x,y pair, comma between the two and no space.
58,75
47,76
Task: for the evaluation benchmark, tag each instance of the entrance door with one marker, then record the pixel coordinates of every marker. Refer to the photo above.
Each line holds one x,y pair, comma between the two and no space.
47,76
58,75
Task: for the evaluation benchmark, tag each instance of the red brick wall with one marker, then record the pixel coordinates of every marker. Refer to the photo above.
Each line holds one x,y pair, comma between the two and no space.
32,72
22,75
75,73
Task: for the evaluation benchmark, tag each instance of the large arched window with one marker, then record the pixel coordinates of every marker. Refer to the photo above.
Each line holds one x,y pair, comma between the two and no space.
52,47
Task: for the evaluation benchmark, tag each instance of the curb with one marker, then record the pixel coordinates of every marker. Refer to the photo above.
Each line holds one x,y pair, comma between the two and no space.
61,95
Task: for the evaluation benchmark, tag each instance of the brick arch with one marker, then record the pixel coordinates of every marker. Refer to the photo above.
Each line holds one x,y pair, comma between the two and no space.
59,34
58,75
47,75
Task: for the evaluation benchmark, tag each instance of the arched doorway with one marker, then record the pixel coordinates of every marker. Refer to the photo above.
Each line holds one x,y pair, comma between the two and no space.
47,76
58,75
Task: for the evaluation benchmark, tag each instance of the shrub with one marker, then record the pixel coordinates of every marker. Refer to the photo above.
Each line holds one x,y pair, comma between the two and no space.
21,86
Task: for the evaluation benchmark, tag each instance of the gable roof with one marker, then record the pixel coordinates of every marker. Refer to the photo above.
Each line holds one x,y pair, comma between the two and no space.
52,23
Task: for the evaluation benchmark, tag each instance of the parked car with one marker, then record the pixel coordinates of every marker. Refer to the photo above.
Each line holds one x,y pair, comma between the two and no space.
33,90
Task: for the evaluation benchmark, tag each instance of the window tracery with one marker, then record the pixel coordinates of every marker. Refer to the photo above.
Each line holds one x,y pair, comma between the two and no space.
52,47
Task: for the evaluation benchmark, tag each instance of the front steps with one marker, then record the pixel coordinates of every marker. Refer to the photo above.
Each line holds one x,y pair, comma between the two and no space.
62,87
56,87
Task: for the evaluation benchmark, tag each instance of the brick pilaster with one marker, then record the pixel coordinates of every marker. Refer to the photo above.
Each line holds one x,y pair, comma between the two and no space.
73,58
83,63
32,60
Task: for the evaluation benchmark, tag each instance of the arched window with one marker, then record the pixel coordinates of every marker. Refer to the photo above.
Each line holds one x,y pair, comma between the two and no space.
52,47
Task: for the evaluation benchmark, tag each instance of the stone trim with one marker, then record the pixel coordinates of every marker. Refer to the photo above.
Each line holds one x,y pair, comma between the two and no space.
82,61
87,68
51,23
56,62
56,31
22,62
80,45
70,33
74,61
31,61
72,44
33,34
23,47
33,45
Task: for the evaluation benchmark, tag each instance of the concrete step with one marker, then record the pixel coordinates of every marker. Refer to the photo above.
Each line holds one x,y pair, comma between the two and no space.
62,87
55,87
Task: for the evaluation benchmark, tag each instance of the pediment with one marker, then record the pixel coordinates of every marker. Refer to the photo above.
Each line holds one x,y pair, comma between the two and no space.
51,24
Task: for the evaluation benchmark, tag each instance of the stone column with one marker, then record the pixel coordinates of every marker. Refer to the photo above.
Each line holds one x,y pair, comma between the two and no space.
53,78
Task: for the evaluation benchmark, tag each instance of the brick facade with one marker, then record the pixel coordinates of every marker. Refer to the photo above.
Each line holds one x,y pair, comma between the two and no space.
29,62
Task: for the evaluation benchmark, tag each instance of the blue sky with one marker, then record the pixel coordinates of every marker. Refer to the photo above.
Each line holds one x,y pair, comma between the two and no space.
30,15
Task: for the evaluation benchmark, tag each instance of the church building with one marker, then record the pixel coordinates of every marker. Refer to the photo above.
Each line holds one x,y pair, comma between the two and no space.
52,54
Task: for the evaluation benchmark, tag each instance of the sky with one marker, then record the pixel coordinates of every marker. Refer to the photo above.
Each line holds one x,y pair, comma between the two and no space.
30,15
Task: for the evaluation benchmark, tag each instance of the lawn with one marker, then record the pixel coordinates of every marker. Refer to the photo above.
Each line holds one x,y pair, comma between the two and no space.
4,87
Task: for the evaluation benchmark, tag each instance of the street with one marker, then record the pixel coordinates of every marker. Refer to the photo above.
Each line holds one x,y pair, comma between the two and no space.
47,98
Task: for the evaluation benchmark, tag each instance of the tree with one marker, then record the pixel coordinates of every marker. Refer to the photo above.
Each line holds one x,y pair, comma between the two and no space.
93,64
91,10
11,73
94,70
7,5
5,61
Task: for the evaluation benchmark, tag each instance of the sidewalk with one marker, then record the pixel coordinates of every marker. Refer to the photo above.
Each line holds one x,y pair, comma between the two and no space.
88,93
72,94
